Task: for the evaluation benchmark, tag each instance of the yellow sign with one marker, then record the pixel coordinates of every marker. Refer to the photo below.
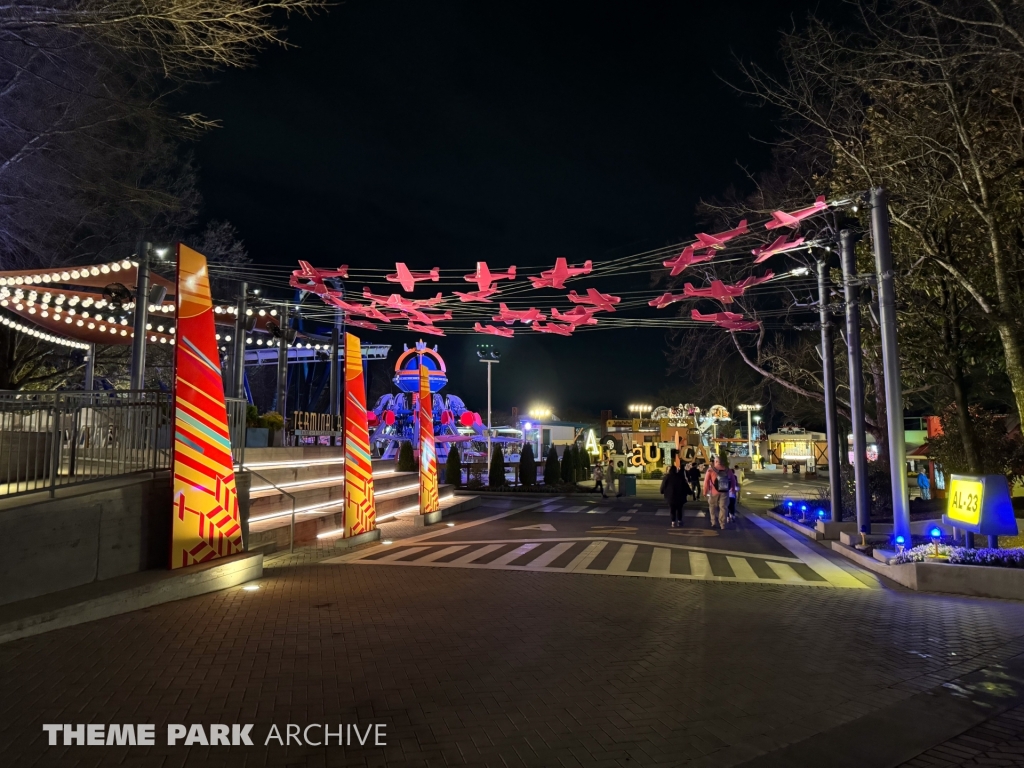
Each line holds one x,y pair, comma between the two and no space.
965,500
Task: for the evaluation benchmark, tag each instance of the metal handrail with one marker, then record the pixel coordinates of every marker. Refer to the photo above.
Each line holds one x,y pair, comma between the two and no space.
291,544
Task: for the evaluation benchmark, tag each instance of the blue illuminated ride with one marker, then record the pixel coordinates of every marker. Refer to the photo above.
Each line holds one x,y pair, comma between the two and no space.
393,418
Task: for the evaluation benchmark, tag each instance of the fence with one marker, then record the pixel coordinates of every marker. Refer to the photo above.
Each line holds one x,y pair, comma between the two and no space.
50,440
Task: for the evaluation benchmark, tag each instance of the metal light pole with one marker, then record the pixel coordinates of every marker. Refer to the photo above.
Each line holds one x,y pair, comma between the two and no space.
828,363
138,367
238,378
749,409
890,362
851,285
489,356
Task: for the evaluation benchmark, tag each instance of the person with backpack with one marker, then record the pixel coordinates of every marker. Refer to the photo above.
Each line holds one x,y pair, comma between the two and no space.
675,488
717,483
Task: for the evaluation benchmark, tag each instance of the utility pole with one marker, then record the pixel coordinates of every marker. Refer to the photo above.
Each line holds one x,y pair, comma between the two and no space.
238,358
828,363
282,365
138,367
890,362
335,374
90,368
851,291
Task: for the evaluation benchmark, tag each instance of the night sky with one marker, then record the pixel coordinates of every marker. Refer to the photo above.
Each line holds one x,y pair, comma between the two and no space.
442,133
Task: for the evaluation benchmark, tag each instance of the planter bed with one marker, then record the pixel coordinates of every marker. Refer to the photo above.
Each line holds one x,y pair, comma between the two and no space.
948,578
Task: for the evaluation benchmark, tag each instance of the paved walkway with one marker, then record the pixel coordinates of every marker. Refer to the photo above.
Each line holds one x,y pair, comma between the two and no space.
500,667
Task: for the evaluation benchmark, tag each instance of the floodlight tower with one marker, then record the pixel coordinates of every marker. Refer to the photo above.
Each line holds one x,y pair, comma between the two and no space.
488,355
750,435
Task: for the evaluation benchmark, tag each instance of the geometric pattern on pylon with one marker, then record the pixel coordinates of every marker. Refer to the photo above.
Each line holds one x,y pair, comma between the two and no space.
360,512
205,521
428,456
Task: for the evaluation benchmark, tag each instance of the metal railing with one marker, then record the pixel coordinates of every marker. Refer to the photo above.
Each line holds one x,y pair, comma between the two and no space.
51,440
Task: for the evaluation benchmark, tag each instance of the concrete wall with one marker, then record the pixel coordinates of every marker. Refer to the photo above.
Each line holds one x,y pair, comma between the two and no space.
86,534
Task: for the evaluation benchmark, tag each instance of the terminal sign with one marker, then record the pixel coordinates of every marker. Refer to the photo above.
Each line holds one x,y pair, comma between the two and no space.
981,504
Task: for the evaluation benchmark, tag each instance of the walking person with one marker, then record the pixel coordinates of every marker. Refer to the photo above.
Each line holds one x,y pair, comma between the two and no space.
675,488
599,478
717,484
610,477
734,494
693,477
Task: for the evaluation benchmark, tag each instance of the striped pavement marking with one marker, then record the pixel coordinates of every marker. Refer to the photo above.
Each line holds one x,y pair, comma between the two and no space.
613,557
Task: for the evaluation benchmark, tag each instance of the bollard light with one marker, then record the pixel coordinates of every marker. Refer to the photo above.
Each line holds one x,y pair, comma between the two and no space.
900,542
936,534
821,514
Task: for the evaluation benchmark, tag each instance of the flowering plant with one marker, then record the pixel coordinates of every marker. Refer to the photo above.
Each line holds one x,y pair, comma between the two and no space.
1000,558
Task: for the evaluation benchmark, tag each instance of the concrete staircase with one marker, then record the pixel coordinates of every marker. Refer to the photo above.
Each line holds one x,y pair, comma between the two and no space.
314,477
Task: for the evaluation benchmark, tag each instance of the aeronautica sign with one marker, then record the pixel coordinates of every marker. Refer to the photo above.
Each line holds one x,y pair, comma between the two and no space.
215,734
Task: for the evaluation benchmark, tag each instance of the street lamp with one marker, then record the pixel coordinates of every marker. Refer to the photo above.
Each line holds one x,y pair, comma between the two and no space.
640,409
750,434
488,355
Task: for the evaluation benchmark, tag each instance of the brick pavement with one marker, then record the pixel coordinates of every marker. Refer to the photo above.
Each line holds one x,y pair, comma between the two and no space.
999,742
495,668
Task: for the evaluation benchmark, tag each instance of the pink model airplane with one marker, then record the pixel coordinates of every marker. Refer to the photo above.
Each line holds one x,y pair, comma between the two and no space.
555,278
560,330
686,258
509,316
399,302
362,324
483,276
718,241
715,317
428,329
484,296
739,325
423,317
783,219
603,301
494,330
667,298
309,278
778,245
334,300
409,279
725,293
371,311
576,316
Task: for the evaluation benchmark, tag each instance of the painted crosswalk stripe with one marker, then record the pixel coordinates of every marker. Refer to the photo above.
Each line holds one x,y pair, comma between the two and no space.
786,573
514,554
401,554
476,553
443,552
597,511
625,518
742,568
584,558
571,510
661,513
700,566
661,561
622,559
545,558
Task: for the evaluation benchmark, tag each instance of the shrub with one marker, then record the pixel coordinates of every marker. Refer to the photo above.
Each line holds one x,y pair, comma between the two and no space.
496,472
1000,558
552,473
453,467
998,453
585,461
568,465
879,490
252,416
406,462
527,466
